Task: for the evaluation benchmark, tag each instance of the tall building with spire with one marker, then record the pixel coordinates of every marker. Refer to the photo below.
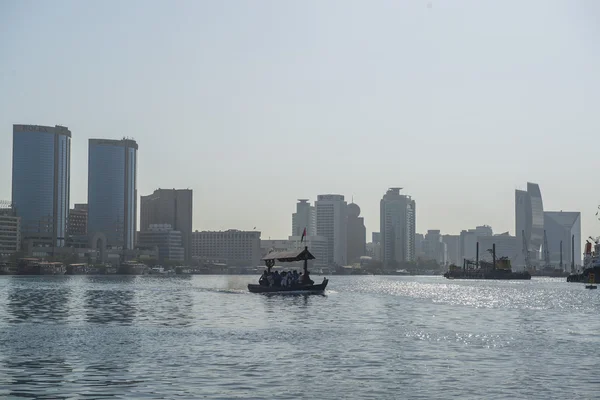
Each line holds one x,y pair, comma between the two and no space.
41,174
397,227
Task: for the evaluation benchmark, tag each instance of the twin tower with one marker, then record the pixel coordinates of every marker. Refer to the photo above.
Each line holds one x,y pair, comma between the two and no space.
41,173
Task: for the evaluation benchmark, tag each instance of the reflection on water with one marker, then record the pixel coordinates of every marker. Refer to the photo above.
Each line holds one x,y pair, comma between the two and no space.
36,379
105,306
367,337
29,304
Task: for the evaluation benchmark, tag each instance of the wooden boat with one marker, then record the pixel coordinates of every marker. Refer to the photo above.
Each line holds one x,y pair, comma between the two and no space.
289,256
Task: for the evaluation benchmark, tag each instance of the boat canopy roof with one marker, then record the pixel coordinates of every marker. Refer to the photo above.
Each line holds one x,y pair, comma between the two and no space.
289,255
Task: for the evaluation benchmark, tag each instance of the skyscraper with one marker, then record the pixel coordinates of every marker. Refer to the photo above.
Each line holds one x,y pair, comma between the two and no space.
112,191
331,224
41,182
356,235
173,207
304,217
529,220
397,227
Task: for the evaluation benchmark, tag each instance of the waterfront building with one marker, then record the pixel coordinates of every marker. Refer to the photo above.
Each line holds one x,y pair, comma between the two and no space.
41,182
529,221
276,245
112,192
78,220
236,248
419,239
10,230
304,217
453,248
168,241
562,226
506,246
332,224
468,245
484,230
173,207
434,248
397,227
356,235
317,245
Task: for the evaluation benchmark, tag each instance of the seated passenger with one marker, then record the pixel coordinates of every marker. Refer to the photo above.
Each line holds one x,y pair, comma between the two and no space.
283,279
277,278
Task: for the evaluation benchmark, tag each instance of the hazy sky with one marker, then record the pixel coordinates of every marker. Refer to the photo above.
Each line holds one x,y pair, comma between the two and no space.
254,104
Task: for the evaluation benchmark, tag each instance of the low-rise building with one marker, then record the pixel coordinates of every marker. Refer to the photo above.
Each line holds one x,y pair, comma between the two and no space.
237,248
78,217
10,230
168,241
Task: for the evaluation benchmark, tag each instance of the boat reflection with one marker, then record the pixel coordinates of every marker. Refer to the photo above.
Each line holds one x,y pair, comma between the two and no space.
47,302
112,304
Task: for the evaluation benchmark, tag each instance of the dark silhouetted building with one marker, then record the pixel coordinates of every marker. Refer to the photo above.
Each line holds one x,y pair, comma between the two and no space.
40,182
78,217
356,235
173,207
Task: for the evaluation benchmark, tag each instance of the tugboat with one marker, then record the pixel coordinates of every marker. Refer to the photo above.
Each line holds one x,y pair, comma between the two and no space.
499,269
591,263
290,256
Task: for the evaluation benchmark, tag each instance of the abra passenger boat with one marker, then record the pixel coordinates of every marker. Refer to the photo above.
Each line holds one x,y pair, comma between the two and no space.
289,256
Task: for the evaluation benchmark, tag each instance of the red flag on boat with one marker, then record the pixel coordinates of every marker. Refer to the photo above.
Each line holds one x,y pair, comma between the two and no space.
303,235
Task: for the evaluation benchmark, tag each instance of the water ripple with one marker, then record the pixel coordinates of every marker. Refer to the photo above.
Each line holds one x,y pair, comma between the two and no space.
368,337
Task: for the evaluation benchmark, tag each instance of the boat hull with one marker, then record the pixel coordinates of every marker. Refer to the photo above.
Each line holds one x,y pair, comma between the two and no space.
492,275
320,288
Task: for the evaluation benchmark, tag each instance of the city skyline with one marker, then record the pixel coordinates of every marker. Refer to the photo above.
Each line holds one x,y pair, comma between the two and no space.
361,112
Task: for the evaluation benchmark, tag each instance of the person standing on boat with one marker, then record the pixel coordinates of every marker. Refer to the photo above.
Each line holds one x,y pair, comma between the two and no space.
264,279
306,279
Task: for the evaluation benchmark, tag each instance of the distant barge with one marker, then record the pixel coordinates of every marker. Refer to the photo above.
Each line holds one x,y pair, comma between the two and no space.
499,269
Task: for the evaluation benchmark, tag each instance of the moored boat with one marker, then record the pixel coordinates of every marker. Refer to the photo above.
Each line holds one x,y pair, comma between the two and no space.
305,286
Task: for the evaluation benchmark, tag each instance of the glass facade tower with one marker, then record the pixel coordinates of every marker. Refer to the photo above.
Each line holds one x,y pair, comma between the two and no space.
112,191
41,182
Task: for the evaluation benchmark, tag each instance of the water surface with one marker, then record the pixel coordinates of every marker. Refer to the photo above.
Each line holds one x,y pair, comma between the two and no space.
193,337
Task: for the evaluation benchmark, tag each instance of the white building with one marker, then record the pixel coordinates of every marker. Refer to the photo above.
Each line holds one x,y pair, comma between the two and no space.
331,224
10,230
563,227
268,246
236,248
304,217
397,227
317,245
